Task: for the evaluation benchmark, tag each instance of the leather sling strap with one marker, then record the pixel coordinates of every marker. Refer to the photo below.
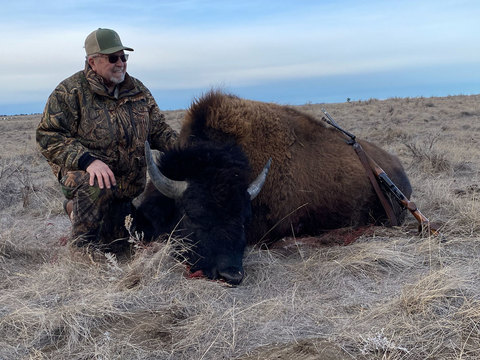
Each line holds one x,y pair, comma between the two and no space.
381,196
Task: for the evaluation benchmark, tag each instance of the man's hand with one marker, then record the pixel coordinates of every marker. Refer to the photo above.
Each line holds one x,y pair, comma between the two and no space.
102,172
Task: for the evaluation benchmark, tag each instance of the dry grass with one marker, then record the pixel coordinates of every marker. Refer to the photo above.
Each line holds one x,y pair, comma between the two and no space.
389,295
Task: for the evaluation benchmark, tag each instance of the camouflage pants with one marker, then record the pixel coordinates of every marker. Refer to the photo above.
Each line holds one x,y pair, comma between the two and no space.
98,214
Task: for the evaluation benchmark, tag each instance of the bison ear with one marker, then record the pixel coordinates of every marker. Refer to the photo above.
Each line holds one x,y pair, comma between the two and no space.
257,184
170,188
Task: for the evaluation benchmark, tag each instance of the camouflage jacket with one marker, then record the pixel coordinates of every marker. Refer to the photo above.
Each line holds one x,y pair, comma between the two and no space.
82,122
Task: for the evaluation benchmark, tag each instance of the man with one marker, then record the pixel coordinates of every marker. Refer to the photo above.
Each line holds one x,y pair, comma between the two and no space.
92,133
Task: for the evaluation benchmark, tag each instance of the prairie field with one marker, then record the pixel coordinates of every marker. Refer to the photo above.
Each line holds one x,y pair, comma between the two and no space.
391,294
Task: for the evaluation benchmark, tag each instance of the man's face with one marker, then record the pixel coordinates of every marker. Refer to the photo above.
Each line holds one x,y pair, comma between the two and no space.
111,73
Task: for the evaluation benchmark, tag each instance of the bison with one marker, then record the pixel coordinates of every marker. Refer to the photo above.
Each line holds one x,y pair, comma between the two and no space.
203,187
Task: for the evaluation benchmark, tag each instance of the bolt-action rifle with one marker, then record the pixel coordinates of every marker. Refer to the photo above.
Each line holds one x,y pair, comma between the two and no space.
424,227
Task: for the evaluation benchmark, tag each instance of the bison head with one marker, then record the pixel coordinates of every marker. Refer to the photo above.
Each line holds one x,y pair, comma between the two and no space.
209,186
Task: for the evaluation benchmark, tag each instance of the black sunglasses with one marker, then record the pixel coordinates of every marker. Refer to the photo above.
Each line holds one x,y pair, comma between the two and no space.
112,59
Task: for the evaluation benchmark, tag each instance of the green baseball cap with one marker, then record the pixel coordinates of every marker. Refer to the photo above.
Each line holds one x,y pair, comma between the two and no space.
104,41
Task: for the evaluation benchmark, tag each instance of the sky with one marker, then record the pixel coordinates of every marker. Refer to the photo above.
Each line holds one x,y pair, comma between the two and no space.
288,52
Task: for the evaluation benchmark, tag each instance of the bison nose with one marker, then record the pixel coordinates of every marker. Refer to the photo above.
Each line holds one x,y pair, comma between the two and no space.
233,276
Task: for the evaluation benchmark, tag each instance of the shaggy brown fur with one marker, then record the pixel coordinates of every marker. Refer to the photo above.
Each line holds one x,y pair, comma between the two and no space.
316,181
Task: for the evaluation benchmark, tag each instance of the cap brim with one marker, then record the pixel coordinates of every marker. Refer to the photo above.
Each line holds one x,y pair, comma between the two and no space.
115,49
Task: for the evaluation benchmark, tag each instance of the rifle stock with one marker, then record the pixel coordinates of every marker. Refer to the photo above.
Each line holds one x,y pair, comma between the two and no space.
424,225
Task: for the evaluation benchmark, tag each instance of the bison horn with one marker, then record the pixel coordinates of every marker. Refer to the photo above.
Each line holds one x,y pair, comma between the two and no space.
168,187
257,184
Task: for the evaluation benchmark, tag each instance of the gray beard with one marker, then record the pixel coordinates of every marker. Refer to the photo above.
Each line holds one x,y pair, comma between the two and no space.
116,81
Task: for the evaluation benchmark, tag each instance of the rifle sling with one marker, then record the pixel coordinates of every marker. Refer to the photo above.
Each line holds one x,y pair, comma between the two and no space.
381,196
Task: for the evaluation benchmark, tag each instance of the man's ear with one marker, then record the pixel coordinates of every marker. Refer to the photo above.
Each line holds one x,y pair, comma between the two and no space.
91,62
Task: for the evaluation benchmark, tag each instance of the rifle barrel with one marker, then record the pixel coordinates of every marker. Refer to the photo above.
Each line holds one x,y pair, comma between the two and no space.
332,122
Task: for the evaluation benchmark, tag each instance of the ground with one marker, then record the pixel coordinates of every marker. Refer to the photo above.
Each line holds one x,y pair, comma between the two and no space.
390,294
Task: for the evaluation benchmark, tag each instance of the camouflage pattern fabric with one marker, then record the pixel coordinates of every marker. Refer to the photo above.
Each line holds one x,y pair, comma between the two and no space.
97,213
81,118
